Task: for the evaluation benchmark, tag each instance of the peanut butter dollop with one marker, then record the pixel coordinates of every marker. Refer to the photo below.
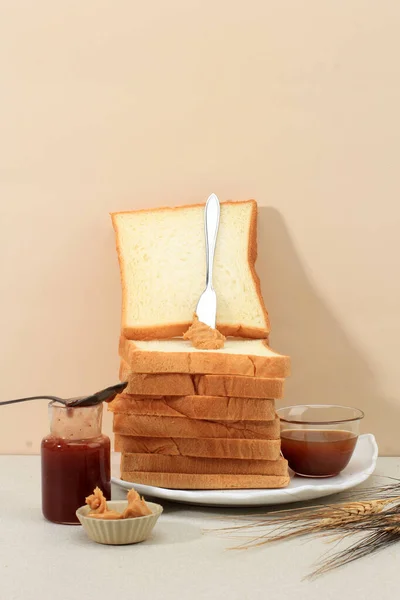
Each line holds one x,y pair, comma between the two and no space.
137,506
204,337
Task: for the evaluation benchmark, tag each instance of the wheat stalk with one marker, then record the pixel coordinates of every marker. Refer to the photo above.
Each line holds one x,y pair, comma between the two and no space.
380,531
287,524
377,519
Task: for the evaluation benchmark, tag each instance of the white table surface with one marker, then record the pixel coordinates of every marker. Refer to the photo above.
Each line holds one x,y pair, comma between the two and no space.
43,561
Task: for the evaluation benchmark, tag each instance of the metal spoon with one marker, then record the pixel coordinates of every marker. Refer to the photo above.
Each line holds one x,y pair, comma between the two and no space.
105,395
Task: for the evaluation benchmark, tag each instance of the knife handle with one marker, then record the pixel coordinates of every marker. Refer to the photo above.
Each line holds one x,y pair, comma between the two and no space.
211,224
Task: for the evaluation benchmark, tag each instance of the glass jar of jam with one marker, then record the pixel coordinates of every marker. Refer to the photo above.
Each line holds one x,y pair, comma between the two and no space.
75,459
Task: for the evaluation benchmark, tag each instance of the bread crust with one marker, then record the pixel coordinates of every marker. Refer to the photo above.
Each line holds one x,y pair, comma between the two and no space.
252,257
201,447
238,386
206,362
150,426
206,482
178,329
186,384
207,408
187,464
162,332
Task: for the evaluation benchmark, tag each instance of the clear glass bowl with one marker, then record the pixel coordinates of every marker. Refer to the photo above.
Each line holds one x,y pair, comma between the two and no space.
318,440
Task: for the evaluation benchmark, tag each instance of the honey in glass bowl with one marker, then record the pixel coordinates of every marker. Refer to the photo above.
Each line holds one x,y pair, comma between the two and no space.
319,440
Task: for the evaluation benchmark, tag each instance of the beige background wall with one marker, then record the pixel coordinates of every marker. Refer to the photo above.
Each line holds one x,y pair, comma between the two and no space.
118,105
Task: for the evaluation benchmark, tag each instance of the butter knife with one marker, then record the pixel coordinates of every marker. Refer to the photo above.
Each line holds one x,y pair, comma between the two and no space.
206,309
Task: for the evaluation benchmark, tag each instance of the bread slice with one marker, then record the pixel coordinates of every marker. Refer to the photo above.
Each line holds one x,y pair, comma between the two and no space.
209,448
146,426
196,407
162,263
238,357
157,384
187,464
185,384
187,481
237,386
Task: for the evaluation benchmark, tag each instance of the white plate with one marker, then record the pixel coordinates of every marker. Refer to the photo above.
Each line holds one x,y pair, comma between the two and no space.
361,466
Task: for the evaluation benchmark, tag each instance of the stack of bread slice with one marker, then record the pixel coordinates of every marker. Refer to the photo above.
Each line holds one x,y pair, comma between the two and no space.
200,419
191,418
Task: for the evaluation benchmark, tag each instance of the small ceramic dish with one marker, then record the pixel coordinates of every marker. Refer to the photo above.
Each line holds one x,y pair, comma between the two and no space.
119,531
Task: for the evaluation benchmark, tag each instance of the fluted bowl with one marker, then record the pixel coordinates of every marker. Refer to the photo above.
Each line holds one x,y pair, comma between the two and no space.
119,531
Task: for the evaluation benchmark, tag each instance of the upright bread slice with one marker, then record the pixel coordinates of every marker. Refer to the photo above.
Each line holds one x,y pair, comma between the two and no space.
209,448
212,408
187,481
185,384
188,464
146,426
238,357
162,262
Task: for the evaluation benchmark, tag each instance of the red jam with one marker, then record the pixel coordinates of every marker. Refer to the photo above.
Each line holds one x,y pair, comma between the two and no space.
71,469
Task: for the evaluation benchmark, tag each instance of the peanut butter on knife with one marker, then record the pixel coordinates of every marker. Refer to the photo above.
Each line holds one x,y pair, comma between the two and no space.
204,337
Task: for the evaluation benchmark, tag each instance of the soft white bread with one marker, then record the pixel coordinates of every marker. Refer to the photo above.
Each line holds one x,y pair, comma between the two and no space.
185,384
211,408
162,263
211,447
149,426
187,464
187,481
238,357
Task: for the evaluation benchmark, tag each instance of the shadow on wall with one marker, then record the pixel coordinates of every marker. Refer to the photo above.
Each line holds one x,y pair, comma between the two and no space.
327,367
